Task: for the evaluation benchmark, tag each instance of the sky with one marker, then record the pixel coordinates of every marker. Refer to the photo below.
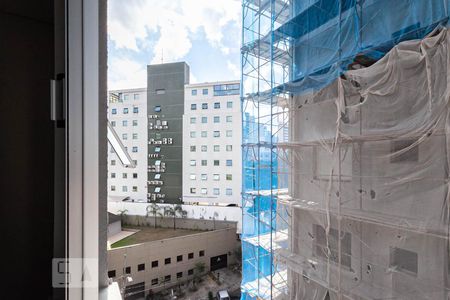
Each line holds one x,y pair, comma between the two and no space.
204,33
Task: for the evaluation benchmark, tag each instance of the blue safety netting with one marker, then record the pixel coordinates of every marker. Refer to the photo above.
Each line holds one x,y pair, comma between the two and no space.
295,47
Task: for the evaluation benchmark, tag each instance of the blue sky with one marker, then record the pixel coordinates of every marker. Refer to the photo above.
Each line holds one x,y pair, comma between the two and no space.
204,33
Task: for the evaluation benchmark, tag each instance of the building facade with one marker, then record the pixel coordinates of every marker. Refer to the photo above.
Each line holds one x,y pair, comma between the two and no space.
161,264
127,114
165,108
212,136
349,203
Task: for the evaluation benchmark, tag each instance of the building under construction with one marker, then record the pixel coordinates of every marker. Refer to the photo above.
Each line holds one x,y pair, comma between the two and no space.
346,131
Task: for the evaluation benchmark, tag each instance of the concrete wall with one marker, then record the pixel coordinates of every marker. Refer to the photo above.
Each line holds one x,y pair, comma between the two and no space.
114,228
223,213
165,89
183,223
213,243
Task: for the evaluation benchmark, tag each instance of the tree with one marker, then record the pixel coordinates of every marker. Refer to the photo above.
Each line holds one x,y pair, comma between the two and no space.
199,268
216,214
174,211
154,210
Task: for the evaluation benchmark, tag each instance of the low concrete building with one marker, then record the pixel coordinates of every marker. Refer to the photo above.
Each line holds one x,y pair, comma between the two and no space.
157,259
114,224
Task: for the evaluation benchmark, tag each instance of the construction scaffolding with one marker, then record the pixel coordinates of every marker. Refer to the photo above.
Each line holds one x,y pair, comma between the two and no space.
346,128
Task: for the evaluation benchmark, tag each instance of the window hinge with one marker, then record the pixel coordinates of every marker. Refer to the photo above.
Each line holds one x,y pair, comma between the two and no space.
57,98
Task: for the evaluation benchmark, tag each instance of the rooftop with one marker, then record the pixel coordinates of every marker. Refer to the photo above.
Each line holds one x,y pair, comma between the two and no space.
150,234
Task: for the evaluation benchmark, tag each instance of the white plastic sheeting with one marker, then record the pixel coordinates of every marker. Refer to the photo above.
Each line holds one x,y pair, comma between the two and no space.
367,211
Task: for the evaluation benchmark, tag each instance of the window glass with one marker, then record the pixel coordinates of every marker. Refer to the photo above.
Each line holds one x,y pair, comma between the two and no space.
192,133
229,162
135,136
204,176
135,123
229,133
125,97
136,96
204,191
216,133
124,136
124,188
114,111
204,105
193,177
135,188
135,110
216,191
216,148
216,119
167,261
157,149
193,106
125,110
204,162
204,134
228,192
193,190
229,104
216,162
229,148
226,89
135,149
113,123
216,177
229,119
229,177
141,267
157,176
204,148
157,108
216,105
204,120
160,91
193,148
124,123
154,264
193,120
205,91
193,162
194,92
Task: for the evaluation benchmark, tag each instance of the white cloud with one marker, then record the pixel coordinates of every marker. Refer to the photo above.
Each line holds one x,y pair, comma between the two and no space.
131,22
126,73
234,69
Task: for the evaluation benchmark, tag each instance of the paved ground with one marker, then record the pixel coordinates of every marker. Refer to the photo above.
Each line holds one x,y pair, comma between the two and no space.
148,234
229,280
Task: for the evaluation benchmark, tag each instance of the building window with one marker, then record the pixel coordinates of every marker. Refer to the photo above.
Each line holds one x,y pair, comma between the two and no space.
124,136
125,110
191,255
125,97
193,162
403,260
127,270
193,120
157,162
201,253
135,123
204,120
229,104
216,177
157,189
124,175
114,111
113,123
135,188
192,177
135,110
160,91
167,278
124,188
194,92
229,133
204,177
228,192
154,264
216,119
179,258
190,272
411,155
179,274
135,162
193,106
157,176
124,123
204,105
136,96
216,191
229,148
327,248
204,134
135,175
226,89
135,149
216,133
113,162
167,261
113,188
193,148
204,191
135,136
229,162
205,91
155,281
193,190
204,148
157,108
216,105
113,175
216,148
141,267
229,119
229,177
216,162
192,134
204,162
112,273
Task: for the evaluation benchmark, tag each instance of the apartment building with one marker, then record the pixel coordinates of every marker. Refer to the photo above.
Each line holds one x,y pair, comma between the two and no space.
212,136
127,114
165,107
